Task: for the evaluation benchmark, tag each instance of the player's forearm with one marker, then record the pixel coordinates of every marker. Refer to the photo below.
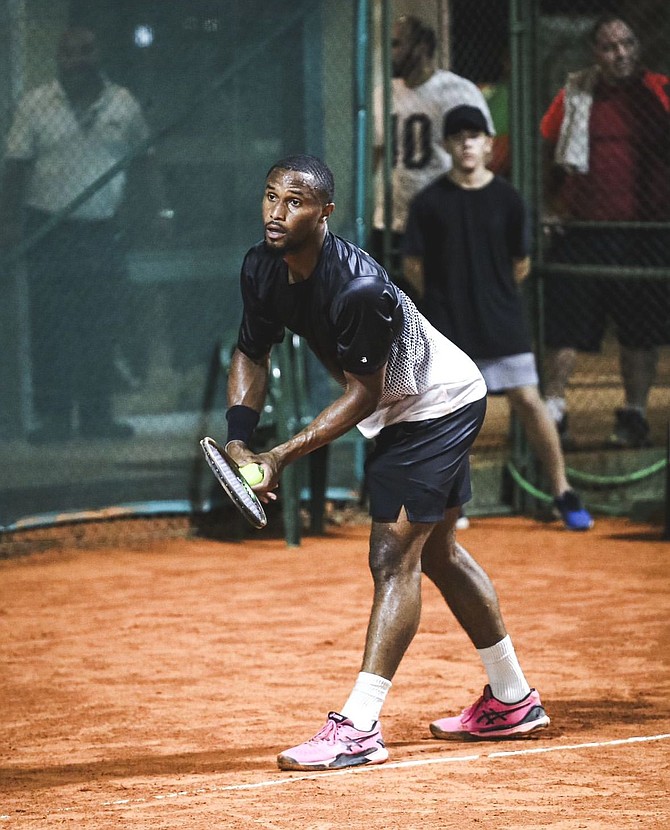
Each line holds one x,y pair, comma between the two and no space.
248,381
357,402
325,428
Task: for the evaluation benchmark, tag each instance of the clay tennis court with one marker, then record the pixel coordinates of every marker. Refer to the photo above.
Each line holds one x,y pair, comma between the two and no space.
152,686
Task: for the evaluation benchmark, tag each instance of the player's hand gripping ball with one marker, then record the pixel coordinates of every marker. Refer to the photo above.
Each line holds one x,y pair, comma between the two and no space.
253,474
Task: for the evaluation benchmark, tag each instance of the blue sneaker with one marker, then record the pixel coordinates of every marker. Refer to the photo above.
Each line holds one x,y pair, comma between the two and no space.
575,515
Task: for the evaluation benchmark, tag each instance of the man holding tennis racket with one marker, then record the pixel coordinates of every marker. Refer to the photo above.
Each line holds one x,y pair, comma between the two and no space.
423,401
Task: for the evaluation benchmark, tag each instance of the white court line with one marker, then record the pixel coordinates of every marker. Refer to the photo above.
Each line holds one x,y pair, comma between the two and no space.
453,759
450,759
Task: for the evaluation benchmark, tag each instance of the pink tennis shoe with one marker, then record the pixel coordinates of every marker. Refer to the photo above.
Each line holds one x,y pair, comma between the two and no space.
337,745
490,718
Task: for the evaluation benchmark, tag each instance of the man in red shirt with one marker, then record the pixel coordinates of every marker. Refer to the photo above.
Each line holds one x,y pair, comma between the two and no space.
608,134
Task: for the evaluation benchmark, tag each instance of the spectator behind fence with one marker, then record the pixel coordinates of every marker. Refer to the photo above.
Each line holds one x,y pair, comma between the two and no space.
66,135
421,94
466,253
609,135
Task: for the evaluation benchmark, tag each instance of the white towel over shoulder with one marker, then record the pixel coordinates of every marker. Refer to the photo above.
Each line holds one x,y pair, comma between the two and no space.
572,148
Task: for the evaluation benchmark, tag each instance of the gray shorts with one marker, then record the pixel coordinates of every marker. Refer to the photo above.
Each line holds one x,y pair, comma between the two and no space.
502,373
423,466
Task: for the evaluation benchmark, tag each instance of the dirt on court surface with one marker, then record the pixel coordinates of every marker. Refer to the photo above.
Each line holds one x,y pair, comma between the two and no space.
153,686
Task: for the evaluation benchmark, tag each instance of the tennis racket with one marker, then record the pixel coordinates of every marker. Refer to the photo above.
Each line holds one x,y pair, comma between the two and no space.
233,482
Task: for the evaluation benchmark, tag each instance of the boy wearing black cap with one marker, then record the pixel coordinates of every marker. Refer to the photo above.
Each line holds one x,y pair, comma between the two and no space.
466,252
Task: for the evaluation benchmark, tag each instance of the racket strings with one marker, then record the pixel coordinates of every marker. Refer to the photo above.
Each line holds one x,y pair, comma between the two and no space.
227,472
240,487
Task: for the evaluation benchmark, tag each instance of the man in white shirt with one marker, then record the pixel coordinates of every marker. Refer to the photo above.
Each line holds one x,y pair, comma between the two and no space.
66,134
422,94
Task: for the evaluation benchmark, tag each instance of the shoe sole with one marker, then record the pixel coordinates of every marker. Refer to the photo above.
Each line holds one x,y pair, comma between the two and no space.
377,756
522,730
578,529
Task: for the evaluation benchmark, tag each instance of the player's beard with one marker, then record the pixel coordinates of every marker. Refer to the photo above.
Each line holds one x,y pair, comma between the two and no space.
288,245
277,253
280,251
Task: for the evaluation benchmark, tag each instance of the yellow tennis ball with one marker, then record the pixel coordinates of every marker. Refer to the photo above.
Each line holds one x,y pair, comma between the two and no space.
253,473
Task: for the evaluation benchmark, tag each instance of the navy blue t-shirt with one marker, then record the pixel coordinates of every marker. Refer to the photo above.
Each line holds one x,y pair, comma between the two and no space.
348,310
468,240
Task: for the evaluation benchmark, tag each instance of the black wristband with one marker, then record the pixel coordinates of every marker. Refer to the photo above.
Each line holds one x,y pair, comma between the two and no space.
242,421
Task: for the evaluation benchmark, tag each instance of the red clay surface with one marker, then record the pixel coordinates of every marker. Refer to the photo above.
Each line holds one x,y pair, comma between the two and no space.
153,687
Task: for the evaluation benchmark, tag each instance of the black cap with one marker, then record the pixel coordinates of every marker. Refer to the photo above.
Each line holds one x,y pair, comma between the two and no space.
464,118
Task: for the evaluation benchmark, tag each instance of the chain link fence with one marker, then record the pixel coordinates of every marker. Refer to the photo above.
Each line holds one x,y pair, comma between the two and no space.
603,249
599,295
129,198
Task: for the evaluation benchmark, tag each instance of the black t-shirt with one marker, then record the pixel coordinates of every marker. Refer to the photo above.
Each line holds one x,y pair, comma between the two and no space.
348,311
468,240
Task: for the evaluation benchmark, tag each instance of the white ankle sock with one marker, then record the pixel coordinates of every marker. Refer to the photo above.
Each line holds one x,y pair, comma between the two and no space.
366,700
506,679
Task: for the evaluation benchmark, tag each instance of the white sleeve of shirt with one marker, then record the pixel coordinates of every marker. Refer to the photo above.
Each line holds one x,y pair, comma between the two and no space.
130,115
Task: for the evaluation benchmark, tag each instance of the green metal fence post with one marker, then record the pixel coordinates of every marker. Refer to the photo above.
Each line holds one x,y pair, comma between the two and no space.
387,23
522,131
288,423
362,119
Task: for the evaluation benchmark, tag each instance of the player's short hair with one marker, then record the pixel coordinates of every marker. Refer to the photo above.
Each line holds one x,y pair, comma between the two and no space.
420,32
604,20
319,170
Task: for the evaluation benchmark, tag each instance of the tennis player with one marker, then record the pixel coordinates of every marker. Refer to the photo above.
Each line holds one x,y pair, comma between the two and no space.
423,401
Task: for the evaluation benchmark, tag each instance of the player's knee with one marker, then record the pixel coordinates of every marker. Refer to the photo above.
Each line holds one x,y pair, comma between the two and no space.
385,560
390,558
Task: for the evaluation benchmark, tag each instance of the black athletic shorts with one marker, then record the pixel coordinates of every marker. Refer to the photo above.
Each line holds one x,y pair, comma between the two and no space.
423,466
